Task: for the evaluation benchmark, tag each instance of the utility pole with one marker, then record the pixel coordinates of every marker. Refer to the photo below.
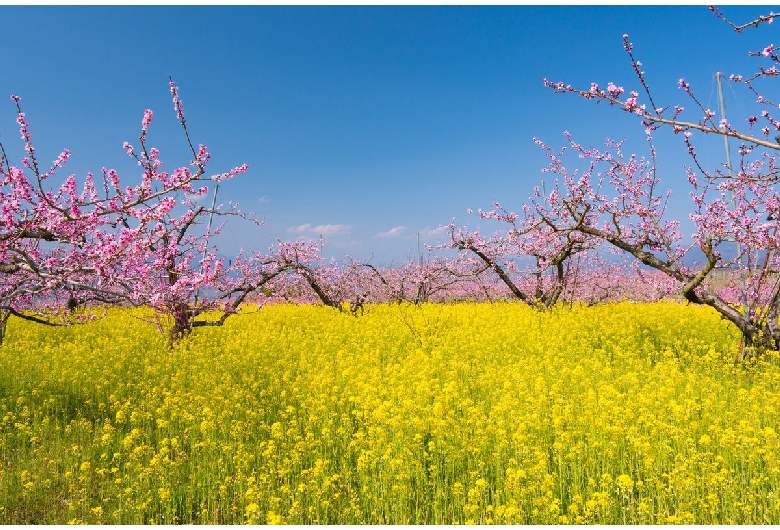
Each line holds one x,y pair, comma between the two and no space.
206,249
419,252
746,309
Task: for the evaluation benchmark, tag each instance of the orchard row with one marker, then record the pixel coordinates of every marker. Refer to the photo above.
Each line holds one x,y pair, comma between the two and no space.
599,230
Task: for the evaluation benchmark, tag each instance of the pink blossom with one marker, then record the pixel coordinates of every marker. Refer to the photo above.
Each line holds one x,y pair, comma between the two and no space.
148,115
614,91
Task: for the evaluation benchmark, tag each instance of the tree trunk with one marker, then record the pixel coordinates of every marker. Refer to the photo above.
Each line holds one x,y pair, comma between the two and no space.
5,314
182,315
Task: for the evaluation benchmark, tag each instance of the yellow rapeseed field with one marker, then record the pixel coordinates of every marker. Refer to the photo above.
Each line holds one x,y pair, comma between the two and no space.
465,413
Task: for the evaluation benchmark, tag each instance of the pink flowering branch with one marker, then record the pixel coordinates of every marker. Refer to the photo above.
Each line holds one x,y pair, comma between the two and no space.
656,116
527,235
732,207
762,19
135,245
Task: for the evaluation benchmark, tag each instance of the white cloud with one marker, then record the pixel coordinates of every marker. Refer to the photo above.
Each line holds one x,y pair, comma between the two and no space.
433,232
301,229
320,230
393,232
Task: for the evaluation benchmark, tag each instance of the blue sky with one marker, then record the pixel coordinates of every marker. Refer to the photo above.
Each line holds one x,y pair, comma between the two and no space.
364,124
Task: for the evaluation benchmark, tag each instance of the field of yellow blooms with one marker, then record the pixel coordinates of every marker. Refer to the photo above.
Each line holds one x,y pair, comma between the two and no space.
465,413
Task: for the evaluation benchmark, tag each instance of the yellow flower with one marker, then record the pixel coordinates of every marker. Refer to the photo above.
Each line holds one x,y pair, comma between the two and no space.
624,482
274,518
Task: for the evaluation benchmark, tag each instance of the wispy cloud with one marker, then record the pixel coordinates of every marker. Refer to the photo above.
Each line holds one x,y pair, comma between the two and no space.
319,230
393,232
433,232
